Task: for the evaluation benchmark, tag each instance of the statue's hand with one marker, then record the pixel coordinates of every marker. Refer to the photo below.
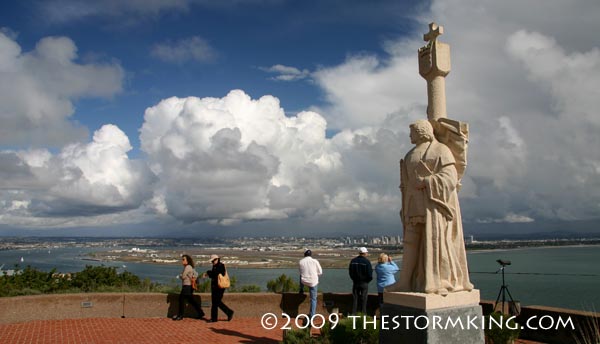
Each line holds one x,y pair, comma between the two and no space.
420,184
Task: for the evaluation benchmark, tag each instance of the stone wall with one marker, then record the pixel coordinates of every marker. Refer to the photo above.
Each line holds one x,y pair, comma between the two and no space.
154,305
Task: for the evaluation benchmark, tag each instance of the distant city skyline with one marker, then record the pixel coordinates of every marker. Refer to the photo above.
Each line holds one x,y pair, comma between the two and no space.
183,118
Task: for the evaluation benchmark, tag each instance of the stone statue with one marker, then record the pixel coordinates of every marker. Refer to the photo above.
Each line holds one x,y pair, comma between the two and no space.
434,259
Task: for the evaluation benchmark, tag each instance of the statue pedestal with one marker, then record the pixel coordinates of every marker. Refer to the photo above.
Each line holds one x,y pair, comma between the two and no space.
432,319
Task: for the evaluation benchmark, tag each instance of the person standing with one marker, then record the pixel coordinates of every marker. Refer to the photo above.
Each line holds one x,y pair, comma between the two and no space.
310,270
361,273
217,292
385,270
187,293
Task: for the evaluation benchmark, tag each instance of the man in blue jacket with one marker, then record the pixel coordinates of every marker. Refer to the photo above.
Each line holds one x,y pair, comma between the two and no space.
361,273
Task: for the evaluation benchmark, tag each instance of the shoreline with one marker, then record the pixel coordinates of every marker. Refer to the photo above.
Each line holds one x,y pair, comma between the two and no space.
257,259
529,248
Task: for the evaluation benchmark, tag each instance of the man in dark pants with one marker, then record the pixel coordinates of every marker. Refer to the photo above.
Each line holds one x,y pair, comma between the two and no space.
361,273
216,292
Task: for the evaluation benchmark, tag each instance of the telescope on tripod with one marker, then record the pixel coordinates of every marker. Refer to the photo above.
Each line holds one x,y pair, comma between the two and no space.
514,307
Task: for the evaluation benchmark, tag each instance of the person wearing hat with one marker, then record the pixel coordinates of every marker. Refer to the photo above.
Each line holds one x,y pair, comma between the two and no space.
361,273
310,270
216,292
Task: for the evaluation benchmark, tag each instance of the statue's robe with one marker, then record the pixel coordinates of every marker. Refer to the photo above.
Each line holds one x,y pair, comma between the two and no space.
433,236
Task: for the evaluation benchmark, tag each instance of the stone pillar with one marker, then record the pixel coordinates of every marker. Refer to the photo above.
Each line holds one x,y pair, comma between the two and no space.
434,65
421,318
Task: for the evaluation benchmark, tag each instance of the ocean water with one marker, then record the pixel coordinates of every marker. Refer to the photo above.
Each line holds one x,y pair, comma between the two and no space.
567,277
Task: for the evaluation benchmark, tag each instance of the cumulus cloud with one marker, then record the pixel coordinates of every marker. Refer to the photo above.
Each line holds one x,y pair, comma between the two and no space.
286,73
525,84
231,159
187,49
37,90
570,78
527,87
365,89
82,180
8,32
235,158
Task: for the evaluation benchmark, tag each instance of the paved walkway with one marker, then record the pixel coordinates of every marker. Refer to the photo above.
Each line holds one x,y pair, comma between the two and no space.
130,330
141,331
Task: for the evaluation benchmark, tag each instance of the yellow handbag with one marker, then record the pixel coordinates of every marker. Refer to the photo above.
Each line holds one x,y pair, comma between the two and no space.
223,281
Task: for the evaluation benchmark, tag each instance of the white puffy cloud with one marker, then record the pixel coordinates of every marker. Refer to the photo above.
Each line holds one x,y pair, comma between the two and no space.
186,49
570,77
231,159
93,180
365,89
235,158
526,82
37,90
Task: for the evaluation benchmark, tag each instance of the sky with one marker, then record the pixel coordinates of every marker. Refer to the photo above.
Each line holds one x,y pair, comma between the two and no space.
167,117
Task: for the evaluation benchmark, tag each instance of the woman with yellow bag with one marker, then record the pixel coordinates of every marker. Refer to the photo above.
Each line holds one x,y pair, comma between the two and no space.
219,282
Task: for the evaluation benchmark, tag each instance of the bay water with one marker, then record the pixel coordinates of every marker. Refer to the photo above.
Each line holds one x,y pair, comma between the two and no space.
567,277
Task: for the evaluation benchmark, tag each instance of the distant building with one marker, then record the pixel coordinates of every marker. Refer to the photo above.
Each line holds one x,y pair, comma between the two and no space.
9,272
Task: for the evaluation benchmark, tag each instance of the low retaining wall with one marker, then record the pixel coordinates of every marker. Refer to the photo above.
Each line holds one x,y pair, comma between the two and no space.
154,305
71,306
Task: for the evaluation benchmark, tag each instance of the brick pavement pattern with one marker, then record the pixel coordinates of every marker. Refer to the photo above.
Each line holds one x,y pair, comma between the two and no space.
135,330
141,331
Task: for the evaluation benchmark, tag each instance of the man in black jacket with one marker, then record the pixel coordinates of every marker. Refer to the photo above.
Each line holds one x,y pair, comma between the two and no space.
361,273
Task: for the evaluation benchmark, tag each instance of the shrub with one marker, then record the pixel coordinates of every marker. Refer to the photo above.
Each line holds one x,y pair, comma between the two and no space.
203,287
350,331
249,288
298,336
507,332
93,278
283,284
31,281
588,331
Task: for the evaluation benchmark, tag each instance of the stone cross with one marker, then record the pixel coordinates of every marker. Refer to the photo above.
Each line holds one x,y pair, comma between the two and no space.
434,32
434,65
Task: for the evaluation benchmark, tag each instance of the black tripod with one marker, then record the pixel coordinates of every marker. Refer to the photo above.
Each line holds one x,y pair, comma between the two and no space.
504,290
